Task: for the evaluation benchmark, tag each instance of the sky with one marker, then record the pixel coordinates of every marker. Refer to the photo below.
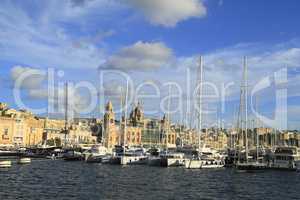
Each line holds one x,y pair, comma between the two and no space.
94,44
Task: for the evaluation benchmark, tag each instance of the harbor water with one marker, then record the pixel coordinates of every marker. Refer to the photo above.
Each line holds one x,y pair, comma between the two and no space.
47,179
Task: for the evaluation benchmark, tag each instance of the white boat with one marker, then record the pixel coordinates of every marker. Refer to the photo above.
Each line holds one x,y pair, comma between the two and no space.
193,163
212,164
254,165
286,158
5,164
134,156
204,163
24,161
96,154
209,159
172,159
206,158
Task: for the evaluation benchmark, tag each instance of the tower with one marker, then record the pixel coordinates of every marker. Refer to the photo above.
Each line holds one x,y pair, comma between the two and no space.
137,116
110,135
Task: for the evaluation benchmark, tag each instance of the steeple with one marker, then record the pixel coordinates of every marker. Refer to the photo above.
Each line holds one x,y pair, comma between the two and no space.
109,107
109,116
137,115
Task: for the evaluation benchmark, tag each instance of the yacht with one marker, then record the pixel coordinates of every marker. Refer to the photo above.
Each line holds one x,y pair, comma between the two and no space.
96,154
172,159
73,155
134,156
286,158
207,159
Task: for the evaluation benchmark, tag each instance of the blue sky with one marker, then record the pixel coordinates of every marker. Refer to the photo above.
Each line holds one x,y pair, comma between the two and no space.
152,41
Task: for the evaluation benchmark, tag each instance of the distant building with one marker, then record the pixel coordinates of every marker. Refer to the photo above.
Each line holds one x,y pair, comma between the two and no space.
21,128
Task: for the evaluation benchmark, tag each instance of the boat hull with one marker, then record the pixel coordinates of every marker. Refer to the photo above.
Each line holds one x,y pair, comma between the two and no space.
193,164
200,164
5,164
133,160
251,166
171,162
24,161
286,165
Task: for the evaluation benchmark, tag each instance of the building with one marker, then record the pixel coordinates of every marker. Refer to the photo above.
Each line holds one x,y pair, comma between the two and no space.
111,136
6,131
79,132
23,129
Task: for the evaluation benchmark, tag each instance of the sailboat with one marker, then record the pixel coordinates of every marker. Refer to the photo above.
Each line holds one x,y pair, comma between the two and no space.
195,161
131,155
170,158
247,164
71,154
207,157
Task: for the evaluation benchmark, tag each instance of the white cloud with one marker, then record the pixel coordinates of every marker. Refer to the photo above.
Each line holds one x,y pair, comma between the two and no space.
33,77
169,12
140,56
45,33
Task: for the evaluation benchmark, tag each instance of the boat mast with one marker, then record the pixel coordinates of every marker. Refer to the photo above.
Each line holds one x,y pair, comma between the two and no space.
200,101
125,117
66,113
256,124
121,113
168,119
246,106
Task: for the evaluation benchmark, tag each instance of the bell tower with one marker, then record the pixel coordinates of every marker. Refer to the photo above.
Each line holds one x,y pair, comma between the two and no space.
109,126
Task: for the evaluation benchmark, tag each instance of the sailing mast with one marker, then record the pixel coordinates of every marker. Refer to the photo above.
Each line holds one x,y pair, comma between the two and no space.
246,106
125,117
121,113
257,136
168,119
66,113
200,101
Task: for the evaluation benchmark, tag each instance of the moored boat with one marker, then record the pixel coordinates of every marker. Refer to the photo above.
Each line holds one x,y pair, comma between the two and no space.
96,154
5,164
133,156
286,158
251,166
24,160
172,159
72,155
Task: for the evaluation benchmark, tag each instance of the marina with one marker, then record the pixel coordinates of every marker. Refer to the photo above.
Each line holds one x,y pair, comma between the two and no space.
150,100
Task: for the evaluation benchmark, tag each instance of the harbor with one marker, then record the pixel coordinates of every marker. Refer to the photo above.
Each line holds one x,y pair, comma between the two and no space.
150,100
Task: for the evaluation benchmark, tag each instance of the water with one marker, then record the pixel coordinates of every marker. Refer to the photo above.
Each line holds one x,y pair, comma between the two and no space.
46,179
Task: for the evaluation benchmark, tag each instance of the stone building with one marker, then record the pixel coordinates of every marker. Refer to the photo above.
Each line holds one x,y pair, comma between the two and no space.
168,134
111,136
6,131
215,138
19,128
79,131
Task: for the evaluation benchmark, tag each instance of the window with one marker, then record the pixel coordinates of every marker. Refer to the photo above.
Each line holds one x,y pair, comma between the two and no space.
5,134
